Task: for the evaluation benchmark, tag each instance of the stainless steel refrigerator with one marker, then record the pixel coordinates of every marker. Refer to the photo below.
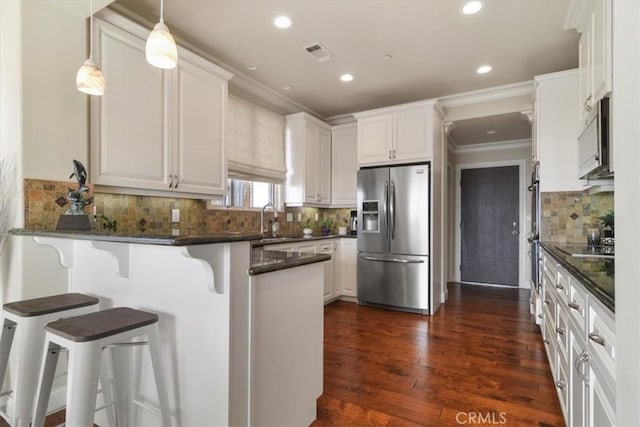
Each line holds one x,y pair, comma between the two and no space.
394,237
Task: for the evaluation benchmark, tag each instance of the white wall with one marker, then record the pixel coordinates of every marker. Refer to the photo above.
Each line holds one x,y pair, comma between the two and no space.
520,152
626,150
54,112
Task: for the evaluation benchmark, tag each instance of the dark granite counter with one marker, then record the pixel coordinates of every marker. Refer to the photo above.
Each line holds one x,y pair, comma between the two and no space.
264,261
142,238
596,274
295,239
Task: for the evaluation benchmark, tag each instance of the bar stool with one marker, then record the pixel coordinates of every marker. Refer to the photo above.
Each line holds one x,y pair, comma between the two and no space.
85,337
24,321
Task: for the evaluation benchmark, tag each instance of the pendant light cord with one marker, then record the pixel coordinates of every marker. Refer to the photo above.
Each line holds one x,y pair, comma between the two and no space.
162,11
91,31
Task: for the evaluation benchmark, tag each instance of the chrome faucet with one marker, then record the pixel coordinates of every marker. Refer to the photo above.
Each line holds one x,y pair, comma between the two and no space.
264,231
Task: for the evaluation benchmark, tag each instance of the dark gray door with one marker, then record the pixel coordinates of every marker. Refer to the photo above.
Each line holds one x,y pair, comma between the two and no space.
490,225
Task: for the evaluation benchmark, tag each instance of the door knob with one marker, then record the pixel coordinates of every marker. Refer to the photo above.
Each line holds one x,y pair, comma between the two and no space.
515,232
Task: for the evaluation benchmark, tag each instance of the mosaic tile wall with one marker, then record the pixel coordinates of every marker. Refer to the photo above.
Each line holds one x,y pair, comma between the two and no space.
566,217
134,214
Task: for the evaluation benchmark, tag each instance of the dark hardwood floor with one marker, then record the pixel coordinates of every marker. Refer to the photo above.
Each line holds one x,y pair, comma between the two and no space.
479,360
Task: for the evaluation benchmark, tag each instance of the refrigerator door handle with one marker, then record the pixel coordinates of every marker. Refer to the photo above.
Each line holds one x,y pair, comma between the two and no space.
397,260
393,210
384,206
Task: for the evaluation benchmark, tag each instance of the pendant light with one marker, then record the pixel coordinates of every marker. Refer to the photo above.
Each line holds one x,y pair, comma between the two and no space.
89,79
161,50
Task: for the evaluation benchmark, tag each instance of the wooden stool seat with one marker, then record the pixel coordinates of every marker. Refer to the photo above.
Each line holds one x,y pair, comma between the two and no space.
101,324
48,305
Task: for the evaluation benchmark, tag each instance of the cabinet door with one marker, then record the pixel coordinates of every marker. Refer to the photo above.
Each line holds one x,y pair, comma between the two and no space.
129,147
323,166
311,194
411,136
200,99
601,57
344,166
585,48
329,268
374,139
601,405
348,267
578,371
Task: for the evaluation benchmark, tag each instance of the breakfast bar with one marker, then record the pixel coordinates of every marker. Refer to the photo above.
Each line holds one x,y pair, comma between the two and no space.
230,320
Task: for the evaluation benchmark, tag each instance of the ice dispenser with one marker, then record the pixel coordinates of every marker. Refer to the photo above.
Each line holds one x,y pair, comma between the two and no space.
370,216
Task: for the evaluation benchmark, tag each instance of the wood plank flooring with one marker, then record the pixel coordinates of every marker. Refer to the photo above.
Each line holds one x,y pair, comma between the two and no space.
479,360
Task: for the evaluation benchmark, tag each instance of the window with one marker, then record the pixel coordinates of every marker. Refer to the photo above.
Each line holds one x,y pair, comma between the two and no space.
253,194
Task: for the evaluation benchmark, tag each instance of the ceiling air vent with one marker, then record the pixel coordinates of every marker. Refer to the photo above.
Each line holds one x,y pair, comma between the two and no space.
319,52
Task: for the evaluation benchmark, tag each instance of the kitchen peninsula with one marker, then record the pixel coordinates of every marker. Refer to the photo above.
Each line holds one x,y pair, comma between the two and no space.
242,338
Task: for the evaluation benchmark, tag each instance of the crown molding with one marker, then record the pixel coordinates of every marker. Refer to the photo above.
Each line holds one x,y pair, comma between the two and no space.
493,146
342,119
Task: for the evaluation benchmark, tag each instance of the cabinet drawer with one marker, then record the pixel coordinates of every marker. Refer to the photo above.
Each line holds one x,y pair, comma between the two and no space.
563,285
601,334
548,337
562,386
577,304
562,334
550,304
324,247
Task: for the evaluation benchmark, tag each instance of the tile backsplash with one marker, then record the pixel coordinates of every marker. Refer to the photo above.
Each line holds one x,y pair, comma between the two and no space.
135,214
566,217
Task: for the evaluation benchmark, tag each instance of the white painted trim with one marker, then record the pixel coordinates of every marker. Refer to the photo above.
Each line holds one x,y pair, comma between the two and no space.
484,95
400,108
342,119
522,265
493,146
557,74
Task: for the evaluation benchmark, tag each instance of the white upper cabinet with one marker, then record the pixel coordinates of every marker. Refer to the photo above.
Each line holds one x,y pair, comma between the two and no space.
308,155
395,135
156,129
556,126
344,165
200,99
592,19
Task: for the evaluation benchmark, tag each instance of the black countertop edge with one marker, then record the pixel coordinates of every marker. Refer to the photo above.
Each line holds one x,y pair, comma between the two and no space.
604,292
281,240
141,238
264,261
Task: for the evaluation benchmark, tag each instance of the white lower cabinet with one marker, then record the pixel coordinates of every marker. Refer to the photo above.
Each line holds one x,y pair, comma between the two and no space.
579,336
340,273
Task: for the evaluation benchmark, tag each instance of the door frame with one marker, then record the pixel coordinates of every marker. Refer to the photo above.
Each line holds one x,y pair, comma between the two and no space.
522,242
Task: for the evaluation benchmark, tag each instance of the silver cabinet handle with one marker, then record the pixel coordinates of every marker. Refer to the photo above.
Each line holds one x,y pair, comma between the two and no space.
560,330
561,385
547,301
175,186
574,305
397,260
390,155
546,341
579,361
596,338
586,103
171,182
540,316
558,286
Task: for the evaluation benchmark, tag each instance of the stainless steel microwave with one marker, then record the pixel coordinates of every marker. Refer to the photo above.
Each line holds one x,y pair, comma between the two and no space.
593,143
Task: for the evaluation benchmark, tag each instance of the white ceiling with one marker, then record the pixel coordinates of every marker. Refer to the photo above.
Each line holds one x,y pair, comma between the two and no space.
508,127
435,48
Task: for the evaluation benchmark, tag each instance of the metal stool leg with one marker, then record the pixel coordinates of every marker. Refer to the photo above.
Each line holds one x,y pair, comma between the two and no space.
6,339
82,383
158,372
47,373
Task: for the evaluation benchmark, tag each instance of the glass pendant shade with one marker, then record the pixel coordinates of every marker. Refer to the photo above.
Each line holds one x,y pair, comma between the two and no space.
161,50
90,79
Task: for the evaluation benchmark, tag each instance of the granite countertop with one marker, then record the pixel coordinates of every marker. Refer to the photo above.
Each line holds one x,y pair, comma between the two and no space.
596,274
265,261
149,238
294,239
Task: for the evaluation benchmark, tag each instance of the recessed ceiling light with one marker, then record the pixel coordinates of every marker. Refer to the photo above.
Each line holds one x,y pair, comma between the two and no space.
387,57
346,77
282,21
484,69
471,7
287,87
252,67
